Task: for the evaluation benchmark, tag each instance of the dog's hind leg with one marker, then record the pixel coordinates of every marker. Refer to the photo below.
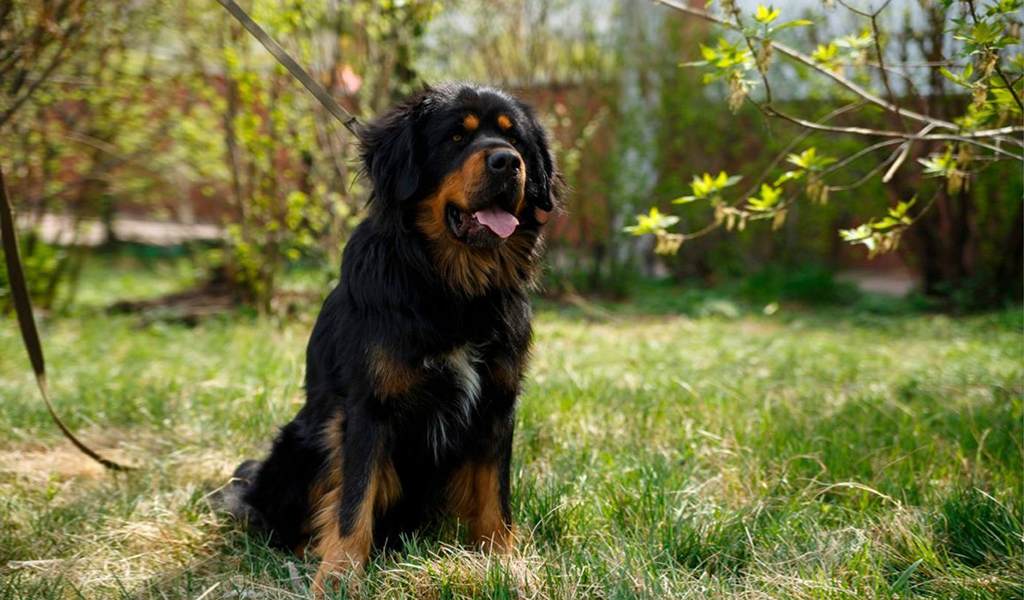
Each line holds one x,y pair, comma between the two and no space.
277,497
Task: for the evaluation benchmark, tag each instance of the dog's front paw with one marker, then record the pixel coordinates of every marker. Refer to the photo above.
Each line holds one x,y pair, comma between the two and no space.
498,540
336,572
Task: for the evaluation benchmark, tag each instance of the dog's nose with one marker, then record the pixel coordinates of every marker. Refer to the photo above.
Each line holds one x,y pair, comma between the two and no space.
502,161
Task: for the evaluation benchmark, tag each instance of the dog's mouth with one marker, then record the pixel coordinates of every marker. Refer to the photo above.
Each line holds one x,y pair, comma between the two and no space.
487,227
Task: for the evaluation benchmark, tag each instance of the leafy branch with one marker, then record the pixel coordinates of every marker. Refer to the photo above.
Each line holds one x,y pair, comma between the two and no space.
989,130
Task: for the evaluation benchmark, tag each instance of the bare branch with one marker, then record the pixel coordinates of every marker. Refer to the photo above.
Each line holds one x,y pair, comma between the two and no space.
867,176
971,137
863,13
881,64
858,154
713,225
904,151
790,146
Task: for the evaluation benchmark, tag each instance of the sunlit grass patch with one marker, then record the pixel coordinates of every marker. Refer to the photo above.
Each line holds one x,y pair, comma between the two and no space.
799,455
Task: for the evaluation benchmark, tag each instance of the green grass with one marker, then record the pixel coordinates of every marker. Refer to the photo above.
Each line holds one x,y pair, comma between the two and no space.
729,454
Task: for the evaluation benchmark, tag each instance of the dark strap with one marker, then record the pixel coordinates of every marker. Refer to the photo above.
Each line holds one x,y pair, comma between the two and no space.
346,118
27,324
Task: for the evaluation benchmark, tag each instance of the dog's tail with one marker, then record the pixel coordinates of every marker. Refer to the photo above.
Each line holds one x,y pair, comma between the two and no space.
231,498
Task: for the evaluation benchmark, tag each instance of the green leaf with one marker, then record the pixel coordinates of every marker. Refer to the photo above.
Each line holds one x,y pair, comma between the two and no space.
705,185
653,222
769,198
789,176
860,235
856,42
983,33
766,15
809,159
791,24
824,54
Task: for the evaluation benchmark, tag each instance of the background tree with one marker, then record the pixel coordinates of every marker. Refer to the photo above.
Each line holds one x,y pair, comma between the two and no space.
133,107
940,90
81,79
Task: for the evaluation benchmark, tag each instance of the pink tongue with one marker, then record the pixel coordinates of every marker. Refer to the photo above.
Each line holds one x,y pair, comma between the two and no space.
497,220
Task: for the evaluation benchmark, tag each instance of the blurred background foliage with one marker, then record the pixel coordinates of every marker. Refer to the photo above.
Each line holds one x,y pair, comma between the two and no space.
147,124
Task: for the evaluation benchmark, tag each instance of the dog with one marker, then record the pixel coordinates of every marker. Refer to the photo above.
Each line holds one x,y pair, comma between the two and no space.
417,358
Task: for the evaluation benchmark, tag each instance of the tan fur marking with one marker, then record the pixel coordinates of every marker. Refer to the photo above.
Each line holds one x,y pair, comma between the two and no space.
393,377
504,122
329,479
346,554
332,435
342,555
471,271
474,498
389,488
471,122
522,187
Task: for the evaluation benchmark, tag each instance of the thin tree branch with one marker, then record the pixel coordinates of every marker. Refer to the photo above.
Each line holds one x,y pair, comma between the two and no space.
1016,98
762,69
903,151
973,137
858,154
863,13
798,56
867,176
876,34
980,134
790,146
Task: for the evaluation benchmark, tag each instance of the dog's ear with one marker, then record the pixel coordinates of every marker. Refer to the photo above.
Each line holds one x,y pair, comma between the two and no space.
553,184
389,152
545,185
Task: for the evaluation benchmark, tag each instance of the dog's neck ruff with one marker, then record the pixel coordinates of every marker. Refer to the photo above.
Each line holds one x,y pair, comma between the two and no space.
472,272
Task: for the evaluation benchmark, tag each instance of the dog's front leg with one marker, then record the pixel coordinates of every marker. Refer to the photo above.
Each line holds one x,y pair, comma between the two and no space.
344,523
478,492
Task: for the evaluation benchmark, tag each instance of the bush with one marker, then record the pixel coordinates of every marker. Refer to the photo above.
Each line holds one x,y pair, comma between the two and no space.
809,284
44,266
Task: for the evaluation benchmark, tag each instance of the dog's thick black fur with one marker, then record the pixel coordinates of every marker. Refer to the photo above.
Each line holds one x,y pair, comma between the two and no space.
417,357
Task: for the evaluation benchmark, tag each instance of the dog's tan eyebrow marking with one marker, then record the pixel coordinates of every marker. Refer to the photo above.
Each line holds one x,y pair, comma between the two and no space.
504,122
471,122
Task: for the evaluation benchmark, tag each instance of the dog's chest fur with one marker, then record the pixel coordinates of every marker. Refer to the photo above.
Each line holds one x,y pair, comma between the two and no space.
460,366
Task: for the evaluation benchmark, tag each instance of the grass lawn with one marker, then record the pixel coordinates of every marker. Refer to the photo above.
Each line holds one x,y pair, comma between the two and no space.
835,454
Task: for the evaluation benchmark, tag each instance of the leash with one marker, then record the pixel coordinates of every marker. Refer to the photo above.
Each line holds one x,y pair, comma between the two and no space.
16,273
343,116
27,324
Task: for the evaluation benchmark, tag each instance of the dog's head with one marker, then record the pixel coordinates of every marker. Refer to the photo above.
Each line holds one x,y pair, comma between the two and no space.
470,170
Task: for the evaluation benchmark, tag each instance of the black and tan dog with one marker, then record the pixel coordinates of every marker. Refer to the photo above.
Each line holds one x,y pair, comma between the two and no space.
417,357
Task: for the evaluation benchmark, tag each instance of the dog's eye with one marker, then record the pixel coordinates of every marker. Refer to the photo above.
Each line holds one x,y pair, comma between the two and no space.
513,141
456,138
